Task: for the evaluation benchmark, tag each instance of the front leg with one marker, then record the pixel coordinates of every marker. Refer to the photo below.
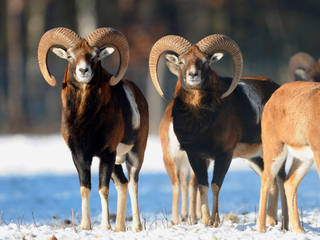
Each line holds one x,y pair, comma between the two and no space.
199,167
107,160
221,166
83,165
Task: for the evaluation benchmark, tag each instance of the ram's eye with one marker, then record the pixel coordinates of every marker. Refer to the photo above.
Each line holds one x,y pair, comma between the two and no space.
181,62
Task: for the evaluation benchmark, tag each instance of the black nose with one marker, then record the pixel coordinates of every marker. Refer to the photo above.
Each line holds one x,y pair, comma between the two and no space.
193,74
83,70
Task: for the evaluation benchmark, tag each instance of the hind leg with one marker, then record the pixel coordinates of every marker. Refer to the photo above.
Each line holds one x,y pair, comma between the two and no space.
284,206
272,209
121,184
256,164
274,156
183,177
297,171
221,166
199,168
134,167
317,160
172,171
198,204
193,186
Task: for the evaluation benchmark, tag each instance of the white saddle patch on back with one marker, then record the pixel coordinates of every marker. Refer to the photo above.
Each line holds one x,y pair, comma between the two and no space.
254,100
122,149
133,105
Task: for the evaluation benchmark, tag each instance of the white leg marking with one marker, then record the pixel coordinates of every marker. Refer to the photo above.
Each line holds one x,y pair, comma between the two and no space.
104,193
133,191
133,158
254,167
85,217
134,107
278,161
247,151
305,156
121,207
302,153
122,149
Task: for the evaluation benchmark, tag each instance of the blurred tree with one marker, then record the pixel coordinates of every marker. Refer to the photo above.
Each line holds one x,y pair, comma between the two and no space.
35,24
16,116
86,16
268,33
3,64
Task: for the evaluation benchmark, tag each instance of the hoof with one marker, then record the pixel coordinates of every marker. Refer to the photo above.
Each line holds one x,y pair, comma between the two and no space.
261,228
105,227
120,229
271,221
216,221
85,227
184,218
298,229
206,221
192,220
173,222
137,228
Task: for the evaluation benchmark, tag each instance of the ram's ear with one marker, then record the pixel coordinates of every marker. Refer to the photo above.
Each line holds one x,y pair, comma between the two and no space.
300,74
105,52
216,57
61,53
172,58
172,63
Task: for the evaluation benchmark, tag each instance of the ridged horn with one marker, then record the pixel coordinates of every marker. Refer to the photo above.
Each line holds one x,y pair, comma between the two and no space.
173,43
108,36
300,60
218,42
55,37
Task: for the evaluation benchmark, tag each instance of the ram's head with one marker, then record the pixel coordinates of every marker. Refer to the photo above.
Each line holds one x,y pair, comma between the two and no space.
193,64
83,54
303,67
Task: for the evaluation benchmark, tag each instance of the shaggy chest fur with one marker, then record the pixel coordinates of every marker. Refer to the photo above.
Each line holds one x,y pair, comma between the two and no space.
194,126
93,125
213,128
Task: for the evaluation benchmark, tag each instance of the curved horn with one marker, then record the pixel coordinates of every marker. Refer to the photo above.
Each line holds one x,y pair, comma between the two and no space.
57,36
219,42
173,43
300,60
108,36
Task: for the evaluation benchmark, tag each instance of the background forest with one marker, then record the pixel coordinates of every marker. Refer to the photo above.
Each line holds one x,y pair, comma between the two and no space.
268,33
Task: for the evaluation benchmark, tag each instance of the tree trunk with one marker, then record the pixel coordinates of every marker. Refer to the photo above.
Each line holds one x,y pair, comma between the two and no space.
15,66
86,16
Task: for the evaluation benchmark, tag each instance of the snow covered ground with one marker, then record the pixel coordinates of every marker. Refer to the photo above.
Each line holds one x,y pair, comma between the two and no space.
39,189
